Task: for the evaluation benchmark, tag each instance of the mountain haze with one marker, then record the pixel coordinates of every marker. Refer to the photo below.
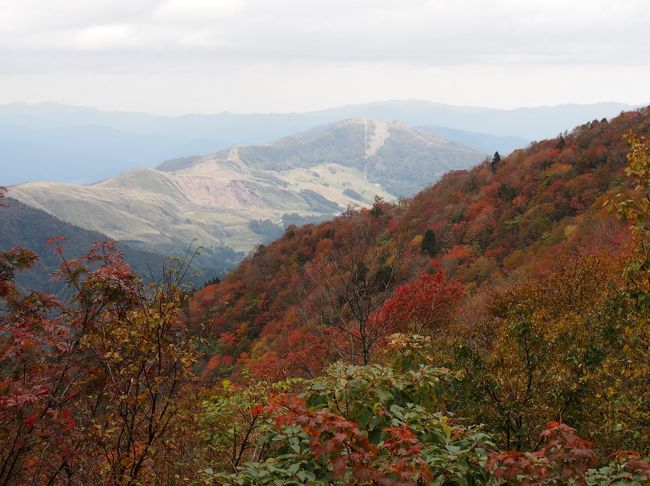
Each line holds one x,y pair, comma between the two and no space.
73,144
394,155
483,142
246,195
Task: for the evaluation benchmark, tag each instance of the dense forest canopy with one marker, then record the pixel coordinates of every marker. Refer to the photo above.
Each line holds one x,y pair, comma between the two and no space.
493,329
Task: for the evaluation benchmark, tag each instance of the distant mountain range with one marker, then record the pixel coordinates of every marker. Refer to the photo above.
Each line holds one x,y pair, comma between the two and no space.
394,156
483,142
72,144
249,194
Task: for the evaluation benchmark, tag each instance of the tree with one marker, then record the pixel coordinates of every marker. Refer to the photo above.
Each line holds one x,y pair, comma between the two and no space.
213,281
423,305
541,357
506,193
387,425
494,162
428,244
235,418
627,377
348,286
90,389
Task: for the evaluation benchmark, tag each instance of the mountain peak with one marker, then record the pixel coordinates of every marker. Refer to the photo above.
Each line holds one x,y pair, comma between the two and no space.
236,197
375,132
392,154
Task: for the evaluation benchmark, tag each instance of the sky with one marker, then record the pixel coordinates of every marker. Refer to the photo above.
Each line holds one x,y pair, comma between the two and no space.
208,56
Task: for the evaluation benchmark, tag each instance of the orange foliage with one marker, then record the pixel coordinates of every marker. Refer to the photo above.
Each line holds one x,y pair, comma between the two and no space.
422,304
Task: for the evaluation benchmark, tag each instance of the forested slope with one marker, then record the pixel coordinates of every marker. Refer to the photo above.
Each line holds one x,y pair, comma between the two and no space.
487,227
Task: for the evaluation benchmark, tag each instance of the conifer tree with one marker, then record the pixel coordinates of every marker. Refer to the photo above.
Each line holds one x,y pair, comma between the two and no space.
496,158
428,244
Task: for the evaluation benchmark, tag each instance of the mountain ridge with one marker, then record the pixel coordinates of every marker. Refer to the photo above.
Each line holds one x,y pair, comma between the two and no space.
54,141
244,195
364,145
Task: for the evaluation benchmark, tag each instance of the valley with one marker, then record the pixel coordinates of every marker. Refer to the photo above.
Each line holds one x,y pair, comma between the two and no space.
360,336
247,195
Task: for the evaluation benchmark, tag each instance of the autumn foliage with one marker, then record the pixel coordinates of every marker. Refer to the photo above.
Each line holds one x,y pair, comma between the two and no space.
422,305
89,389
483,228
530,285
491,330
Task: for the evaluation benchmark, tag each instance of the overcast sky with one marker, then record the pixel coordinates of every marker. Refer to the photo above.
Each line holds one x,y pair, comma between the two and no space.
206,56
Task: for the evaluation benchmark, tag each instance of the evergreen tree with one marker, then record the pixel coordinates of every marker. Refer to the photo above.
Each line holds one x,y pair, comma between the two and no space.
428,244
496,158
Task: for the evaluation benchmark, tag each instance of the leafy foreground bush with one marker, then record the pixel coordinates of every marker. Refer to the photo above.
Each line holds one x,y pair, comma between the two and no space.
387,425
366,424
91,390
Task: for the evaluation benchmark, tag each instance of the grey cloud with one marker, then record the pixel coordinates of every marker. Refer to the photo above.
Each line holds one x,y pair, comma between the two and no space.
251,55
430,32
